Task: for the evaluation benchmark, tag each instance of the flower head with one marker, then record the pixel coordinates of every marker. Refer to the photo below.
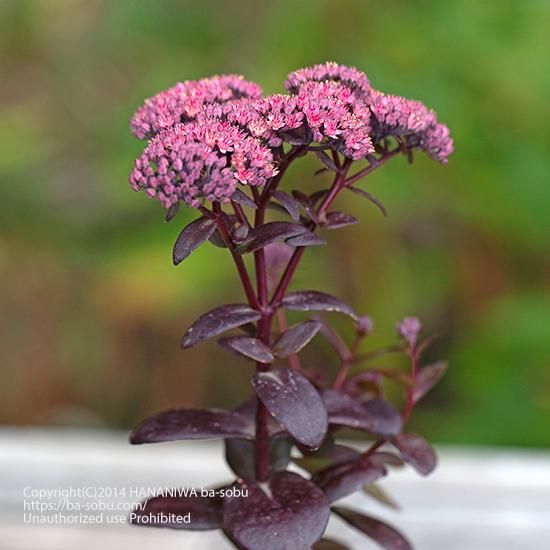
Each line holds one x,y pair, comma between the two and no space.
397,115
350,77
412,121
437,142
409,329
184,101
192,162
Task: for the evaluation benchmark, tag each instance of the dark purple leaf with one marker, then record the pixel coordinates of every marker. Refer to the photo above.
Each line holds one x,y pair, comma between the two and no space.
306,239
344,479
427,378
218,320
180,424
192,236
172,211
205,512
290,513
249,347
369,197
335,220
381,496
317,196
240,232
289,204
416,451
386,418
330,544
242,198
384,458
261,236
314,300
305,203
326,160
295,338
375,416
248,408
217,240
325,457
240,455
385,535
295,403
230,220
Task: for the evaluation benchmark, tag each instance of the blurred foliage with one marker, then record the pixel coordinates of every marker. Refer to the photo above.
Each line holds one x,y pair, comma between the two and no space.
92,309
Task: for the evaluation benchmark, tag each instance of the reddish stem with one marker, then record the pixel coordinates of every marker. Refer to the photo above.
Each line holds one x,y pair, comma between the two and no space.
241,268
371,167
336,187
264,324
347,363
410,393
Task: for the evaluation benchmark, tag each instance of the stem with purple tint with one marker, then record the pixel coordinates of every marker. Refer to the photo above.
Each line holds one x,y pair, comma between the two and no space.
339,183
264,324
414,354
259,299
239,263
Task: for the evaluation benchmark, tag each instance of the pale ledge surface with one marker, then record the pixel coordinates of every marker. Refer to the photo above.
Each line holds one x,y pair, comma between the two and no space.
478,499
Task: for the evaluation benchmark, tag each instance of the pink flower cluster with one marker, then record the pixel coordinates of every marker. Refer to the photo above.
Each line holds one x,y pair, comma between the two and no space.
322,112
185,100
350,77
437,142
398,116
206,136
192,162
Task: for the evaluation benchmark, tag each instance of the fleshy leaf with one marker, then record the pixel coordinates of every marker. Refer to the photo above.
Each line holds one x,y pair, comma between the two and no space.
295,403
183,424
427,378
218,320
375,416
326,160
330,544
335,220
261,236
326,457
381,496
416,451
172,211
206,512
248,409
249,347
288,512
289,204
295,338
314,300
191,237
306,239
384,458
369,197
305,203
385,535
242,198
344,479
240,232
240,453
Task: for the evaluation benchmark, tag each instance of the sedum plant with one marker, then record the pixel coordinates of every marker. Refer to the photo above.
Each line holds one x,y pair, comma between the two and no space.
218,146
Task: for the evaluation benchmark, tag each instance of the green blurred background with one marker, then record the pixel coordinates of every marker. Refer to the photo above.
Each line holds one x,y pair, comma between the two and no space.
92,308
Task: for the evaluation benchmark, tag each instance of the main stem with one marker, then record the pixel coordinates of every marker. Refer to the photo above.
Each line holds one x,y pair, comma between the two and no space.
264,324
261,300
